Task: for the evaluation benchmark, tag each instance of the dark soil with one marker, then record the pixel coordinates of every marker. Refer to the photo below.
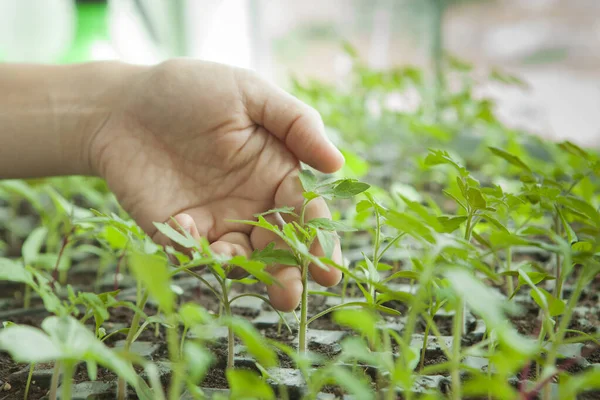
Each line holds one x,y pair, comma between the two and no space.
526,323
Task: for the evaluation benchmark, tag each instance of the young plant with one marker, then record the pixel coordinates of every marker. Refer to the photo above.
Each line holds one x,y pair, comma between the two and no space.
300,235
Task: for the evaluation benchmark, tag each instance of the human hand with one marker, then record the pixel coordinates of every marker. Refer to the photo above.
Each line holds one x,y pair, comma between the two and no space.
208,143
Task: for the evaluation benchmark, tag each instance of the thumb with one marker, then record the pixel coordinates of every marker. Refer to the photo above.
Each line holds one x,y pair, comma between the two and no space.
295,123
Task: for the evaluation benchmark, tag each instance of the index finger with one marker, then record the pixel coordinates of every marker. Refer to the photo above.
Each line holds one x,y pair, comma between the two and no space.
296,124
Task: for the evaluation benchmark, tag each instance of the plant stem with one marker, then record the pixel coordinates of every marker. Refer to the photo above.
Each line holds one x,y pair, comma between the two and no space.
565,320
509,279
67,380
63,274
174,356
54,381
303,310
31,368
558,284
183,336
425,339
457,333
27,297
230,337
142,298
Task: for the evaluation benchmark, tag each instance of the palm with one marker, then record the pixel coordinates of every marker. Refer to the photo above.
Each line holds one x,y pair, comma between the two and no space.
194,144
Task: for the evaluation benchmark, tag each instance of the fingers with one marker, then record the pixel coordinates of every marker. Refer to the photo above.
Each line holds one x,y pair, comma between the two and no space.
296,124
286,296
233,244
289,194
179,222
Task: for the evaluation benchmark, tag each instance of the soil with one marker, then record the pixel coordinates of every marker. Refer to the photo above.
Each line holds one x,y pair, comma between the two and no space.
526,323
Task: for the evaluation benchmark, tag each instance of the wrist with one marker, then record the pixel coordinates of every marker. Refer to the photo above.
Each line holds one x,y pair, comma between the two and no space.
49,114
103,84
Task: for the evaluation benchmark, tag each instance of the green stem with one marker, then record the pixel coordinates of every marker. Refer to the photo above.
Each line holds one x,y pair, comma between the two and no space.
28,385
27,297
67,380
174,356
425,339
564,321
303,310
230,337
182,344
457,333
558,285
509,279
54,381
142,298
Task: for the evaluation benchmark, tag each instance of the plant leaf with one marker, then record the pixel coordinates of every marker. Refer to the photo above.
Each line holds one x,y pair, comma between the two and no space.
308,179
347,189
33,244
271,255
152,271
330,225
29,345
245,384
327,240
512,159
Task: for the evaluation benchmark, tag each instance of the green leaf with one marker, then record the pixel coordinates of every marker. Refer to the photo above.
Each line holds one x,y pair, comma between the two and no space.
438,157
253,267
514,160
77,343
488,304
308,179
450,224
360,320
535,277
327,240
270,255
455,198
28,345
115,238
483,385
281,210
571,235
310,195
575,150
363,205
348,188
198,360
193,314
13,271
153,272
495,222
177,237
476,199
330,225
407,223
507,239
246,384
33,244
581,206
555,305
352,383
255,343
413,275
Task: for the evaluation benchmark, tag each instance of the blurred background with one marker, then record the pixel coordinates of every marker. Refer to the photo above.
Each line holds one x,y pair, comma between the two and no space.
553,46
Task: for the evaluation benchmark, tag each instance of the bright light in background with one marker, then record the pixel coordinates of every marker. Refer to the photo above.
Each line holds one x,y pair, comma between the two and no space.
103,50
228,38
130,41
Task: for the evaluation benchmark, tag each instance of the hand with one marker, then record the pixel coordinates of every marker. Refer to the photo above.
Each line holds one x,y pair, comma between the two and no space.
208,143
